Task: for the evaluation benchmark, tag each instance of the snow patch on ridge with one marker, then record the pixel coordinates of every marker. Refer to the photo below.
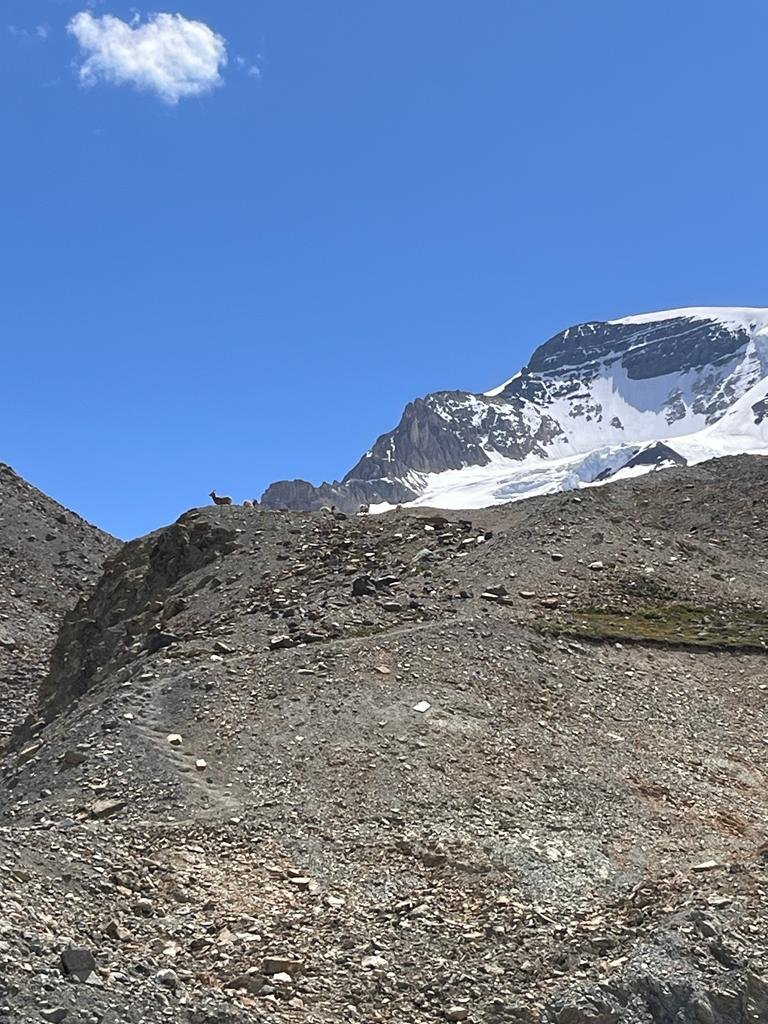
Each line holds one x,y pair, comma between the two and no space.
746,317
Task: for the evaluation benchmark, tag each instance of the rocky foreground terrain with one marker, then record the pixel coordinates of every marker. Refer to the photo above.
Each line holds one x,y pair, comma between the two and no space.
499,766
49,557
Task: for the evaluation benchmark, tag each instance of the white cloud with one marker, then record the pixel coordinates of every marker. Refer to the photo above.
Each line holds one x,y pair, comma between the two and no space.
39,32
250,69
168,54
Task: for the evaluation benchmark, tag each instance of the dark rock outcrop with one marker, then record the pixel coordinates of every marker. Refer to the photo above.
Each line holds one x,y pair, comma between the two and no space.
760,409
645,351
656,455
129,607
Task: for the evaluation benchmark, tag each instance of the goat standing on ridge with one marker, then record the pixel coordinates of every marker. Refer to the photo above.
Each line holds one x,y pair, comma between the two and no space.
219,499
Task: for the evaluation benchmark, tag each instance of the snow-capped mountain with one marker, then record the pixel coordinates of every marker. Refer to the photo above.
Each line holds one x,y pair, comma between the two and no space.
596,402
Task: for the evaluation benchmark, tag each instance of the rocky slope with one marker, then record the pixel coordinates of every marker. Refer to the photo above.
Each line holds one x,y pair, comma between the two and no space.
49,557
587,404
504,766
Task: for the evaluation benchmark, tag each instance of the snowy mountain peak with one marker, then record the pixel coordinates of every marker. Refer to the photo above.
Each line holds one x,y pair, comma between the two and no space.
747,317
596,401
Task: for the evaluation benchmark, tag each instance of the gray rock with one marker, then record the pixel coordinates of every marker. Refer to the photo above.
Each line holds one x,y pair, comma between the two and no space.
280,965
28,752
364,586
456,1013
107,808
78,962
55,1015
73,758
168,978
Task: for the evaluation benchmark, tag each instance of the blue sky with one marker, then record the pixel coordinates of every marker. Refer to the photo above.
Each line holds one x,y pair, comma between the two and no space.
246,275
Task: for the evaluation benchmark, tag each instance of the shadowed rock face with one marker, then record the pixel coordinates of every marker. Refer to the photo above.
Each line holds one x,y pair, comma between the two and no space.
650,350
49,558
760,409
127,611
702,367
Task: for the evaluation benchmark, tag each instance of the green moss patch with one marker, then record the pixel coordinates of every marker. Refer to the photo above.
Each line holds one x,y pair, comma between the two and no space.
672,623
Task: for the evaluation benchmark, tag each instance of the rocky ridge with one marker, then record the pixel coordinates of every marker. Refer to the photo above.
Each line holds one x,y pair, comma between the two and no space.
49,557
505,766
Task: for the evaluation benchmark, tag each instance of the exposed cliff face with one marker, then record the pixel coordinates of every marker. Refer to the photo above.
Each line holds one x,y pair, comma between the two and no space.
592,387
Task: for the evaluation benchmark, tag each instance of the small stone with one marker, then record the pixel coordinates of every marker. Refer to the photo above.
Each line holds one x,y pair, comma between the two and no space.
596,566
168,978
383,670
175,739
116,931
527,594
301,882
143,906
278,643
78,962
73,758
282,978
106,808
455,1013
249,981
363,586
159,641
373,962
280,965
28,752
55,1015
719,901
422,555
706,865
556,556
422,706
201,764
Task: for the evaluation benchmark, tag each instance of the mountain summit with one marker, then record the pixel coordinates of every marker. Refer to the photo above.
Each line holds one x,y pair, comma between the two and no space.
597,401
